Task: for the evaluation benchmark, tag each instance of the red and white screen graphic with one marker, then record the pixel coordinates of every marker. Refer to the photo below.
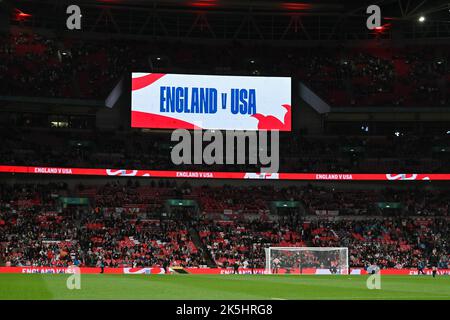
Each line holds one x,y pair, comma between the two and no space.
181,101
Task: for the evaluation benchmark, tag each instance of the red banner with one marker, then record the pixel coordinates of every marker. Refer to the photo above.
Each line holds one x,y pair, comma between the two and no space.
55,270
226,175
224,271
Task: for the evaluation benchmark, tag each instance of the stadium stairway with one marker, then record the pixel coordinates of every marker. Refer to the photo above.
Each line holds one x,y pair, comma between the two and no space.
199,244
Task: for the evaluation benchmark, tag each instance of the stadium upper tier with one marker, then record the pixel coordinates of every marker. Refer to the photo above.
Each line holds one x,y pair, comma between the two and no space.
34,65
137,150
129,225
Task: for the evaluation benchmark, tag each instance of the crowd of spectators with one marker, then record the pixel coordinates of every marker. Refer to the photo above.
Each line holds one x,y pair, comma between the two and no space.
388,243
316,200
37,229
32,64
129,225
243,242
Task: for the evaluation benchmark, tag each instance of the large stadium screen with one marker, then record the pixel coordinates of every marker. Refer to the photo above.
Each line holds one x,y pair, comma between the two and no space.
175,101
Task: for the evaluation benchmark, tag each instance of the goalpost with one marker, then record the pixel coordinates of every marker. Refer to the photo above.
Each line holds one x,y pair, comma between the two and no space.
311,260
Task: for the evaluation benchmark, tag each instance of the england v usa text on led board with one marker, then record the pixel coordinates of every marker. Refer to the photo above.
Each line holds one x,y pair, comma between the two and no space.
176,101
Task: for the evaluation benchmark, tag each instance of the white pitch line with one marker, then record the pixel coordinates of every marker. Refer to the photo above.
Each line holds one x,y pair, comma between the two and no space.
278,299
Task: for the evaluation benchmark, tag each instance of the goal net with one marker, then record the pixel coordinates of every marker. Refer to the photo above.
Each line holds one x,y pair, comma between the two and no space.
306,260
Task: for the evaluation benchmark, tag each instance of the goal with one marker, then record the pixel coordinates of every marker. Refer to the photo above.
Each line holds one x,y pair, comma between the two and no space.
306,260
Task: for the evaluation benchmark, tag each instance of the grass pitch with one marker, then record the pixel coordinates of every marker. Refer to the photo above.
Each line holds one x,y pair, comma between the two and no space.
215,287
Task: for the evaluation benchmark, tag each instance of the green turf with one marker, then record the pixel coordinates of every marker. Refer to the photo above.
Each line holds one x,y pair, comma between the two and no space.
277,287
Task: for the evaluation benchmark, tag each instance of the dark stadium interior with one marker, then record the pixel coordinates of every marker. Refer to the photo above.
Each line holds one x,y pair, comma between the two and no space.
363,102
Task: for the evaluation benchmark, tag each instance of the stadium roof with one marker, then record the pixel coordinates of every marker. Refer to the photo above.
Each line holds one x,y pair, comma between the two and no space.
244,19
399,8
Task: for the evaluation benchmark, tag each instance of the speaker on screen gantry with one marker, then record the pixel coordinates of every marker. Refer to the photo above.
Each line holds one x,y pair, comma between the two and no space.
5,15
